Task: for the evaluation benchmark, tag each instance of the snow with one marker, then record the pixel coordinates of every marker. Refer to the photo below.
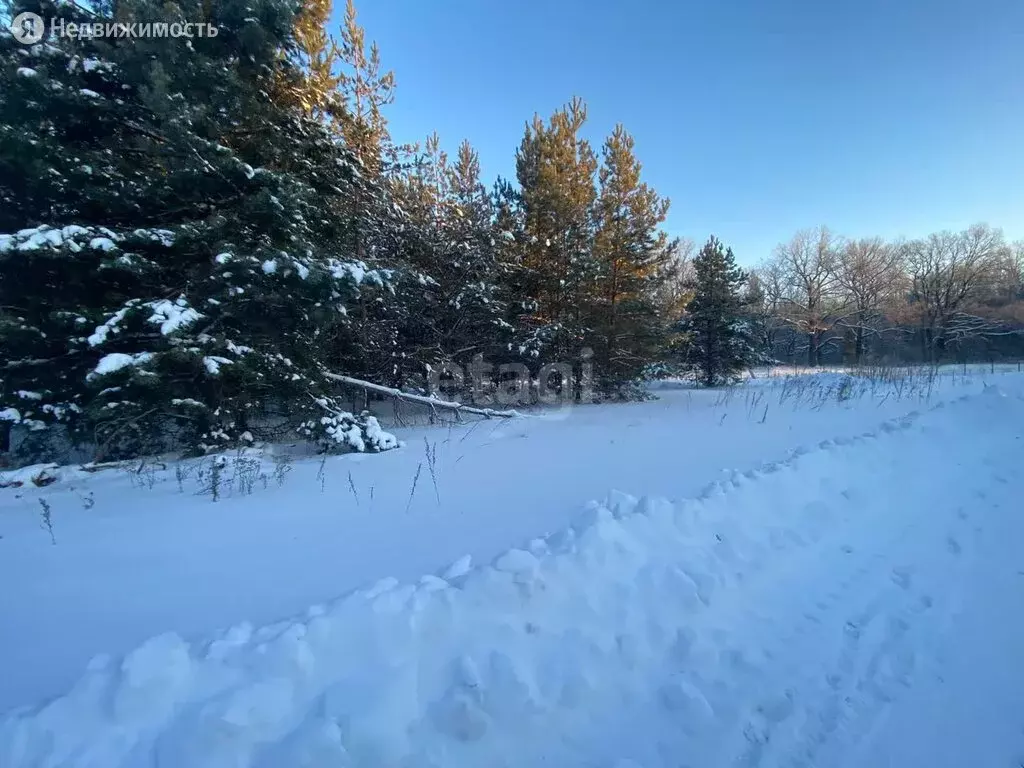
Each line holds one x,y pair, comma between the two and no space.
163,236
44,236
38,238
459,568
187,401
519,562
40,474
380,439
111,326
356,271
91,64
269,267
27,72
115,361
342,428
172,316
845,594
213,364
102,244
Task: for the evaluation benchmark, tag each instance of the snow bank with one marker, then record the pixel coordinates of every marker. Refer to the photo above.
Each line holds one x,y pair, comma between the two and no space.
40,475
544,655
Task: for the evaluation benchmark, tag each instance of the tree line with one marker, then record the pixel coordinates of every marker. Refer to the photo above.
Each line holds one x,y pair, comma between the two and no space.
199,237
950,296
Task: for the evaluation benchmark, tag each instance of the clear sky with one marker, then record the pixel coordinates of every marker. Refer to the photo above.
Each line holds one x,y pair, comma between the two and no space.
756,117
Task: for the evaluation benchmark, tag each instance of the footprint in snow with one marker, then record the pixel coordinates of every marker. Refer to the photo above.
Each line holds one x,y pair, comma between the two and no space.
852,630
901,577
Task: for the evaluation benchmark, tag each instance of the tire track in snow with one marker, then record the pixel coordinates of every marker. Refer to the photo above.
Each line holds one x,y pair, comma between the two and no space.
877,654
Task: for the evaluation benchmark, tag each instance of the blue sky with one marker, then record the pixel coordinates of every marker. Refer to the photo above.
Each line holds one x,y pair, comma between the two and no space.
756,117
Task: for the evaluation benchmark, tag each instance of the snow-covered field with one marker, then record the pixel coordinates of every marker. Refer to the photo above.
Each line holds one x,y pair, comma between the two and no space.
823,571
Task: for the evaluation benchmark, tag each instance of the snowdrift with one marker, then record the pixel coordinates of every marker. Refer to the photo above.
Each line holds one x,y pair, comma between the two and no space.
647,634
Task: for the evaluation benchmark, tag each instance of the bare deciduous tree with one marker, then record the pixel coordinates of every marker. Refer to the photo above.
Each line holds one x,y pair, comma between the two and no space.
807,266
946,271
962,289
765,292
869,277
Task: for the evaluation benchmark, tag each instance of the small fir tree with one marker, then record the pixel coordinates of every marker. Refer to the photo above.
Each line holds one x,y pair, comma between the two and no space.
719,338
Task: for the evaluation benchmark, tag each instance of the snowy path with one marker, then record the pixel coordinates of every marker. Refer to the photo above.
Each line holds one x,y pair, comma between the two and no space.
857,604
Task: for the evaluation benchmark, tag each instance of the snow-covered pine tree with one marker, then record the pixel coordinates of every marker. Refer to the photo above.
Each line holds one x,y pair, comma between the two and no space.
720,344
481,301
517,280
173,258
342,83
456,308
761,318
634,260
420,189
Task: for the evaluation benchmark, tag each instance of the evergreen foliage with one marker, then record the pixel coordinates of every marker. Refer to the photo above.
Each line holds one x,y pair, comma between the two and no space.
174,262
721,345
634,259
197,230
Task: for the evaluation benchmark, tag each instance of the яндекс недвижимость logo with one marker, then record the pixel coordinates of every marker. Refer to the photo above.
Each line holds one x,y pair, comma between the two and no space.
28,28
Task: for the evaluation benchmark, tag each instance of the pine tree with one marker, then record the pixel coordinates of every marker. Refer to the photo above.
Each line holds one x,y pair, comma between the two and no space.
719,340
479,301
633,258
455,310
556,168
173,260
375,225
421,192
315,88
365,88
517,282
761,320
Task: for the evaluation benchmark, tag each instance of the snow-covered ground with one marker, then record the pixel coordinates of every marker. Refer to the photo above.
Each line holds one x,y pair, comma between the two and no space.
823,573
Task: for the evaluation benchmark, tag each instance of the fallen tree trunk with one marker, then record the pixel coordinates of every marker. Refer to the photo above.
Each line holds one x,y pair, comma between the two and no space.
432,403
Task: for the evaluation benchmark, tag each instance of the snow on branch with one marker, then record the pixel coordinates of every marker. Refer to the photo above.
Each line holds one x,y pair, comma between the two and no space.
422,399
